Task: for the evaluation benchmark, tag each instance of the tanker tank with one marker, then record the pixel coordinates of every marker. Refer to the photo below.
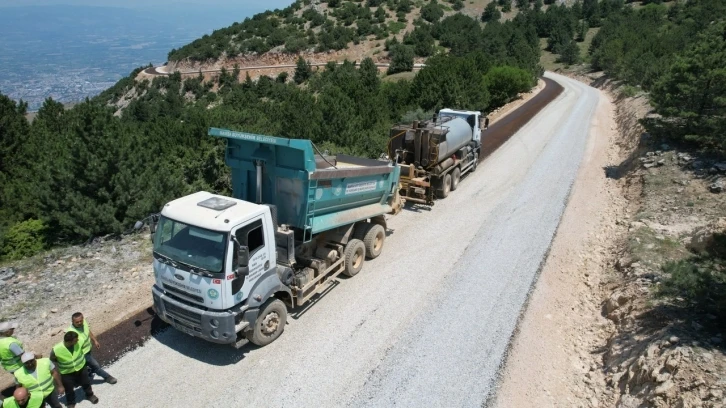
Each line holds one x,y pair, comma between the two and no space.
427,144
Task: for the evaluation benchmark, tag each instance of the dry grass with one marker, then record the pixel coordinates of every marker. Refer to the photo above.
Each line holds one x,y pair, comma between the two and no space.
400,76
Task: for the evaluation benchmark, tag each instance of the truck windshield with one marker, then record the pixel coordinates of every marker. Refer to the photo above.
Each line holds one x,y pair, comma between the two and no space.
190,245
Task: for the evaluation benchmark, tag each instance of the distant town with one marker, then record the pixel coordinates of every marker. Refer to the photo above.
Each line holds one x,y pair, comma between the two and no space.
70,53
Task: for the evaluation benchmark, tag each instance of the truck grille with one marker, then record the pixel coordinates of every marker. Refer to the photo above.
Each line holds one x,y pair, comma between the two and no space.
183,316
176,291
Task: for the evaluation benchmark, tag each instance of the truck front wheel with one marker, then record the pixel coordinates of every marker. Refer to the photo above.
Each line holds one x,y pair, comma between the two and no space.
270,323
355,253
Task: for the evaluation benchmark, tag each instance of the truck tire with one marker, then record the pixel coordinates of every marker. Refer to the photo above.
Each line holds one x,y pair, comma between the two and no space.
445,187
355,254
455,178
476,162
270,323
373,240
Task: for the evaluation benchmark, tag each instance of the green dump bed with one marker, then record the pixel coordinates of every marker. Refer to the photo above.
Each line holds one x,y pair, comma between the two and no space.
312,193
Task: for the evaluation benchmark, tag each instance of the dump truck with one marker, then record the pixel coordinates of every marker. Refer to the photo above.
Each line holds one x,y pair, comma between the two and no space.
228,269
433,155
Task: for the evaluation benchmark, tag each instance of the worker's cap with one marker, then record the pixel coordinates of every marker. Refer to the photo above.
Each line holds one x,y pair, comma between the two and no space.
4,326
27,356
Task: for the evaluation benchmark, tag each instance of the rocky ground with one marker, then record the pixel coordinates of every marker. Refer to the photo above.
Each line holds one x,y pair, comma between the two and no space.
596,333
107,280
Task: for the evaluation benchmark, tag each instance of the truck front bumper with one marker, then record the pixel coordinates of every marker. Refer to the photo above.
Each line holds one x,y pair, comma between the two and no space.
220,327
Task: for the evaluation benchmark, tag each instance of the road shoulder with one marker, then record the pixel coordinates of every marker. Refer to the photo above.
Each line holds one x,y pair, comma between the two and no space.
549,361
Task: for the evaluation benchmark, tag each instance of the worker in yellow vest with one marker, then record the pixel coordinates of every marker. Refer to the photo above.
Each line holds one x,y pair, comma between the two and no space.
10,348
23,399
38,376
72,366
85,336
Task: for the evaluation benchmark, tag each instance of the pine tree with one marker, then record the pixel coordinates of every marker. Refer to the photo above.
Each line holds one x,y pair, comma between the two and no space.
692,91
401,59
491,13
303,71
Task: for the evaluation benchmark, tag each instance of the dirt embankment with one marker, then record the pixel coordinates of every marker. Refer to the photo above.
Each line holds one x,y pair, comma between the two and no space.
107,280
595,334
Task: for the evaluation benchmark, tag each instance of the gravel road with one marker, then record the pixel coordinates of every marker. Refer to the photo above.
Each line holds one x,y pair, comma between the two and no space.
421,325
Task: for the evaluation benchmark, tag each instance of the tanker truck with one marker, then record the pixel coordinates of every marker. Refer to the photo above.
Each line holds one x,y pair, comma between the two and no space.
227,269
433,155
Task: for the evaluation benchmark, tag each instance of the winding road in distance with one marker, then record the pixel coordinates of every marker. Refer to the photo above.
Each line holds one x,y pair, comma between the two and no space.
426,324
161,71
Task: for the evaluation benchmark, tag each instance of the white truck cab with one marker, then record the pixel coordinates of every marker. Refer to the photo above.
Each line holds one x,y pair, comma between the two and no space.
200,272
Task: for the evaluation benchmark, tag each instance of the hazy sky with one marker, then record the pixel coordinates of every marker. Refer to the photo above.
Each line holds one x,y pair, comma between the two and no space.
241,4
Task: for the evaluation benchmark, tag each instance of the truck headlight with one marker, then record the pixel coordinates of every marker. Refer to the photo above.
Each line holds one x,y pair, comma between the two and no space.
214,323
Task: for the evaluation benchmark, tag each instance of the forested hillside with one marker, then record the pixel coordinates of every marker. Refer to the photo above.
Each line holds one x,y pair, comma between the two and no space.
79,173
678,54
320,26
94,169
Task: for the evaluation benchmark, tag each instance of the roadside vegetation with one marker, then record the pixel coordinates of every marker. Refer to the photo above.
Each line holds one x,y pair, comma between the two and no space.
676,54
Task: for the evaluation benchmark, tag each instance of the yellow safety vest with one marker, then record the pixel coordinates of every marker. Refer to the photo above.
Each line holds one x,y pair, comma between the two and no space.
9,361
69,363
84,338
35,401
43,384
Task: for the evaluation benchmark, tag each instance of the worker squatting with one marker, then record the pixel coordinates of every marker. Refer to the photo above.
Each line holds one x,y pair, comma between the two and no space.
40,381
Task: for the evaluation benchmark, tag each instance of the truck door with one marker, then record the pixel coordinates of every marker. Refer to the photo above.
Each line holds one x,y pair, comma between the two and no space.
479,125
253,236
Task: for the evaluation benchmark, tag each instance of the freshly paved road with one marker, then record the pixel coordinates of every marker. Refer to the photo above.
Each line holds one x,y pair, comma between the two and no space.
425,324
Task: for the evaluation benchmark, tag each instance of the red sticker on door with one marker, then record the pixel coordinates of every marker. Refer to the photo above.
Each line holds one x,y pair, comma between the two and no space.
217,281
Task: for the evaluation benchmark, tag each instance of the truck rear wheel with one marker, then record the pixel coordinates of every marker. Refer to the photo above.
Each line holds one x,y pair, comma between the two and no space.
373,240
270,323
455,178
355,254
445,187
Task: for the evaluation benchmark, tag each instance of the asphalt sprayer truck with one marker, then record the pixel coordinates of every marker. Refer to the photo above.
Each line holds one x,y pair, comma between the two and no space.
433,155
228,268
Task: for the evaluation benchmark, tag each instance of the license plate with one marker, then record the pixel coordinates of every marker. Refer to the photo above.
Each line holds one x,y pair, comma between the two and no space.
188,331
185,329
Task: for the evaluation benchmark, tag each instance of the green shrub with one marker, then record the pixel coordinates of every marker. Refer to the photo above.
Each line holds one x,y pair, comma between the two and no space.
491,13
401,59
418,114
432,12
504,83
23,239
699,282
395,26
628,91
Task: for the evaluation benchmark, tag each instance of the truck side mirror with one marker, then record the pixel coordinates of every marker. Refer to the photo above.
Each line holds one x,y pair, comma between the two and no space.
152,223
242,258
